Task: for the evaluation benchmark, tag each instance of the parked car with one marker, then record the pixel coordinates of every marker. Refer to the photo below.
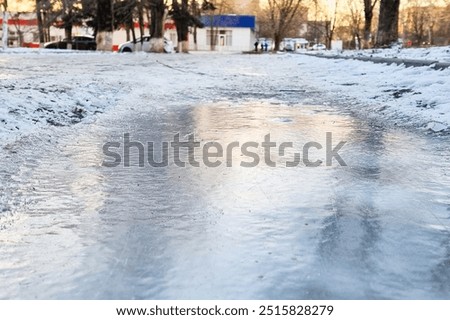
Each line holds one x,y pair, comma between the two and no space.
143,44
78,43
318,47
288,45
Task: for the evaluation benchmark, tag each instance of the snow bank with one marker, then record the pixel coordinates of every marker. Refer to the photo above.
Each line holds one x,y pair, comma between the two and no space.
441,54
418,96
41,89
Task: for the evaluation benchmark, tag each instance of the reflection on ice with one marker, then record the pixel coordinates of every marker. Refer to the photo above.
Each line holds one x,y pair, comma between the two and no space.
375,229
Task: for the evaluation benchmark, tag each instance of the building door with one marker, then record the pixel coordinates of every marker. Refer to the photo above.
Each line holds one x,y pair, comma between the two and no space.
222,40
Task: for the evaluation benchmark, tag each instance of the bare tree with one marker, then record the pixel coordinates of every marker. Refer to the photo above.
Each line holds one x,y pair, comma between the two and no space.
281,14
40,23
388,22
331,24
441,29
158,10
421,18
369,7
184,18
68,15
105,25
15,18
418,19
140,11
196,11
123,17
299,21
61,13
355,21
317,27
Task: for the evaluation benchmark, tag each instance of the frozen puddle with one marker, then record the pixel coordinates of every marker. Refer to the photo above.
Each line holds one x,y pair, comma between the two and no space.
376,228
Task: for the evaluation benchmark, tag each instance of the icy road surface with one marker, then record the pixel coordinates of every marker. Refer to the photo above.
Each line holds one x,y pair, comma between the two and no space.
71,228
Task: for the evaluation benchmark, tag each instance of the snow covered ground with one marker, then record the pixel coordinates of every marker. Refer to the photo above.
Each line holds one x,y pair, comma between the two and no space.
440,54
72,228
414,95
42,89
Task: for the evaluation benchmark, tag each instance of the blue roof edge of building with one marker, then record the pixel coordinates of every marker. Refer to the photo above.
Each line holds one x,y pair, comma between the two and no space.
229,21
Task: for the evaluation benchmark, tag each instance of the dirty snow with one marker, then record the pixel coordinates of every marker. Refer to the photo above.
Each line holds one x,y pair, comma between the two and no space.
439,54
48,88
416,95
41,89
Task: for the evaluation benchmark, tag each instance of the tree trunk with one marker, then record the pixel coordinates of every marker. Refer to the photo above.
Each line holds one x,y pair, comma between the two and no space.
281,14
104,41
149,18
68,34
212,33
133,34
47,31
105,25
431,34
277,42
330,39
158,10
388,23
368,16
182,17
194,36
130,26
141,20
196,11
357,41
21,39
68,24
40,24
367,32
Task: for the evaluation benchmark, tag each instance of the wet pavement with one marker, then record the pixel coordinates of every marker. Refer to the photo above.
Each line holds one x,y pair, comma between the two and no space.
377,228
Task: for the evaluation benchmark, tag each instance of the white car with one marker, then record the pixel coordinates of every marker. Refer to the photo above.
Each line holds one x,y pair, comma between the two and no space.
287,45
318,47
144,45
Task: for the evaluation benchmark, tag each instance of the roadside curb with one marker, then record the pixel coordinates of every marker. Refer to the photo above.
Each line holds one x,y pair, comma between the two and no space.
436,65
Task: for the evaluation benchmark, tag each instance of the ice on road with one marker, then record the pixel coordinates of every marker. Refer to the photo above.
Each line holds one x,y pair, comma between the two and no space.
72,228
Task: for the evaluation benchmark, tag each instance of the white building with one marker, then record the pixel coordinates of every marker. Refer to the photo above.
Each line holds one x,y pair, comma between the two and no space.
231,33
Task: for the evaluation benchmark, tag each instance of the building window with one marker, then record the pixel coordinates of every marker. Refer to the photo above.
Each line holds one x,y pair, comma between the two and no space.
220,37
210,38
228,38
